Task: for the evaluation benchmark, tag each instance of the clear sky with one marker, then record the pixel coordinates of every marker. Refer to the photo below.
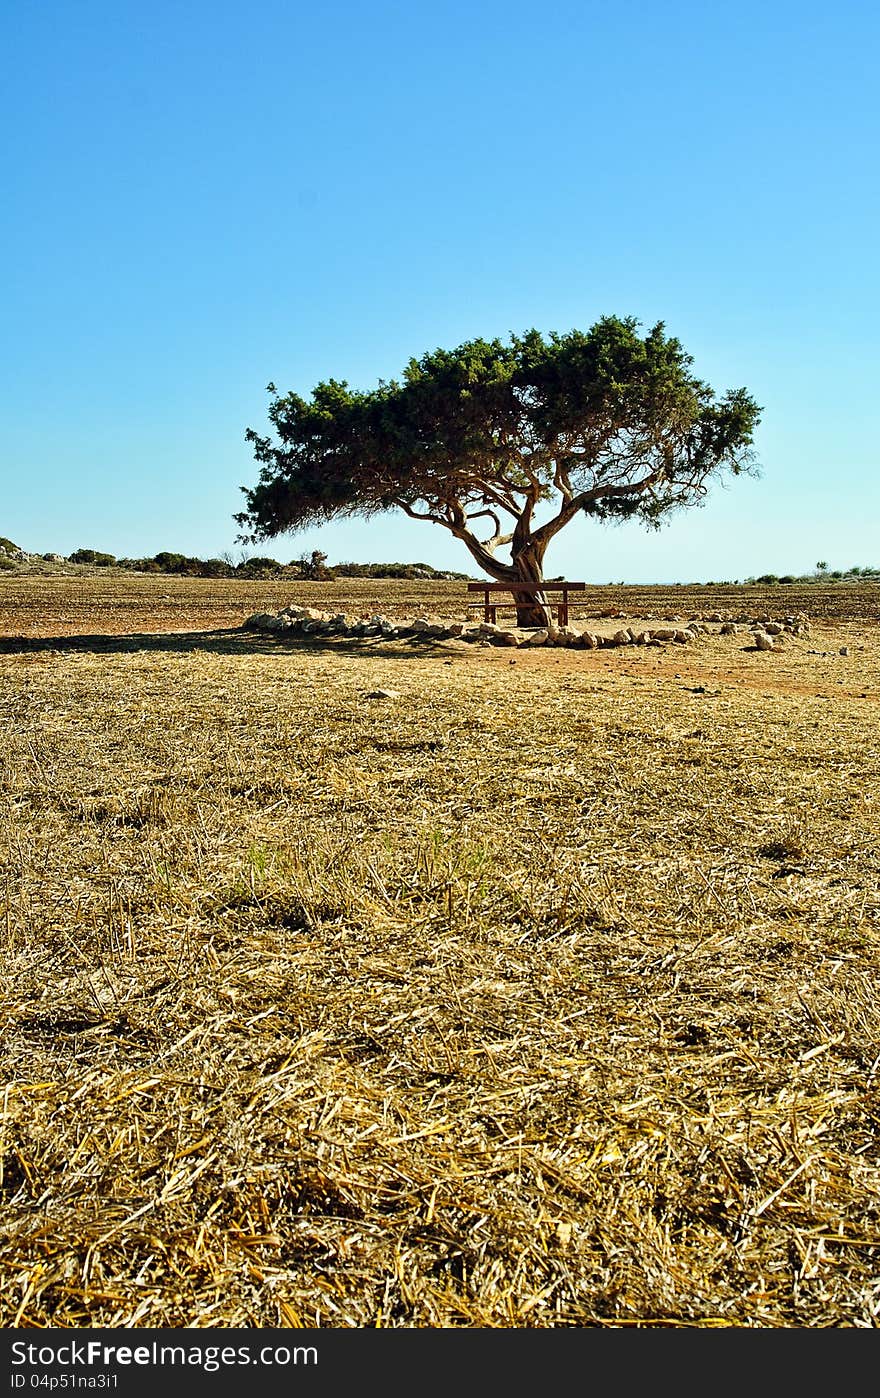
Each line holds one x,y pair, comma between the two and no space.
200,198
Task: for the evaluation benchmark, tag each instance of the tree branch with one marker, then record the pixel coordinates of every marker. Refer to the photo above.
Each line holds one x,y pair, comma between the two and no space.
420,514
577,502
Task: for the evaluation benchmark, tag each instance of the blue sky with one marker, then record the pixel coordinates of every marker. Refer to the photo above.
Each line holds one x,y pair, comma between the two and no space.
200,198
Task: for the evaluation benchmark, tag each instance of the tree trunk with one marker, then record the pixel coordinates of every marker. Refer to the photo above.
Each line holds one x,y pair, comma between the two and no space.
530,611
526,566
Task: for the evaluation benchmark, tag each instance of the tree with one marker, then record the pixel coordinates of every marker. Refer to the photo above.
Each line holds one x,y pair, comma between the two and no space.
525,436
313,567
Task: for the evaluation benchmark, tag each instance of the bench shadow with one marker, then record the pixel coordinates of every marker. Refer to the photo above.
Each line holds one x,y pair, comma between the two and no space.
231,641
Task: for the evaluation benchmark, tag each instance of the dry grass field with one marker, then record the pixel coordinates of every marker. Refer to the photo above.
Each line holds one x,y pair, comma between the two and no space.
543,994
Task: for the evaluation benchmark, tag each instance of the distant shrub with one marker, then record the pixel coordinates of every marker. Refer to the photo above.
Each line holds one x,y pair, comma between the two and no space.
406,571
313,567
92,556
168,562
180,564
855,574
5,562
258,568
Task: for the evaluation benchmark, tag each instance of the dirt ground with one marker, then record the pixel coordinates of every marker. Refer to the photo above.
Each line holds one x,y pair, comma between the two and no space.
96,607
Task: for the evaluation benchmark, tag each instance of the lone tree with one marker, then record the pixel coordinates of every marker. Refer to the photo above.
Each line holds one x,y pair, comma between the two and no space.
523,436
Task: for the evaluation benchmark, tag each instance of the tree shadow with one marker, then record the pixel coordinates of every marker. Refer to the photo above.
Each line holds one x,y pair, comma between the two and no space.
231,641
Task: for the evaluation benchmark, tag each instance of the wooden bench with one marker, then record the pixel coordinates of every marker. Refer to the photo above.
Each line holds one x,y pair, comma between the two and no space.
549,590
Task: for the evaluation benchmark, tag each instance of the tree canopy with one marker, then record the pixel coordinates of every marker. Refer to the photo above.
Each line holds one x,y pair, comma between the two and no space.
504,444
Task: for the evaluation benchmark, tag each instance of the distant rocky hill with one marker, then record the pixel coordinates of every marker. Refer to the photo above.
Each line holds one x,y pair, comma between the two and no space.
12,556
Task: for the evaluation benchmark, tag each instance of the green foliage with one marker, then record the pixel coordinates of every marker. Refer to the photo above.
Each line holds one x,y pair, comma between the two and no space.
259,567
180,563
169,562
7,546
412,571
92,556
310,567
611,424
857,574
313,567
